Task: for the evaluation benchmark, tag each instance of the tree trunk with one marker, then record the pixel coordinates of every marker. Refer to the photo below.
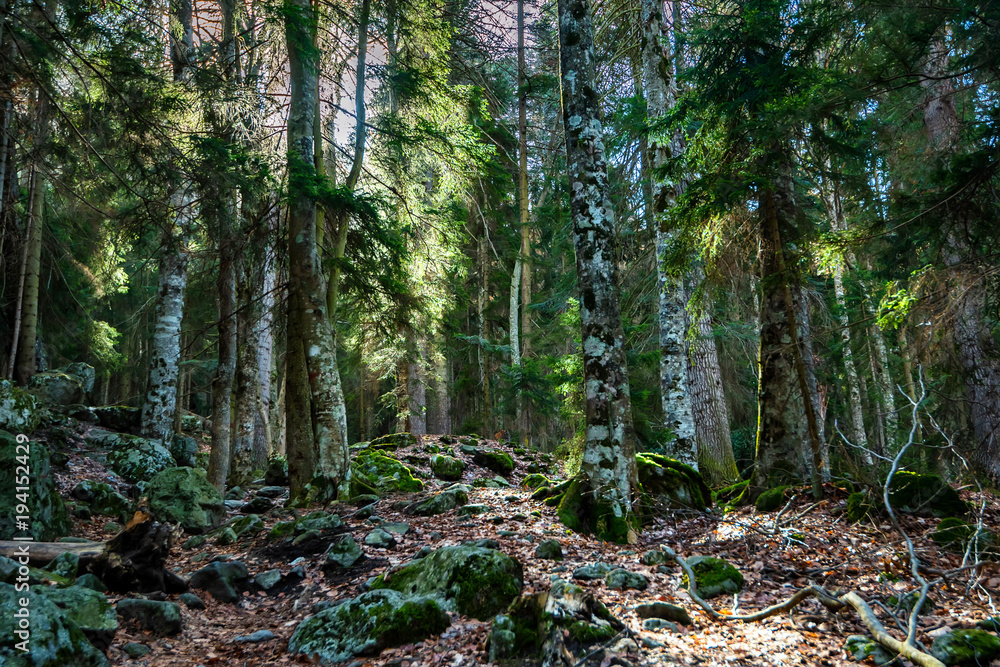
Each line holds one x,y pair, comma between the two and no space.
675,396
222,386
442,385
523,425
317,434
22,360
417,386
601,497
815,398
246,385
264,330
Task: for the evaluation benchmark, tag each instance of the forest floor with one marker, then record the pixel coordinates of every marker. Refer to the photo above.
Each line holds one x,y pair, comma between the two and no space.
813,543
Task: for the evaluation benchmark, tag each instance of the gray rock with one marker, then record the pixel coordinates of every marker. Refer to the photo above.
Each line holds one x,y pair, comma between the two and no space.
225,536
366,625
160,618
659,624
255,637
343,554
664,610
714,576
549,550
380,539
257,505
191,601
966,648
861,648
622,579
48,518
64,565
446,500
83,372
225,581
90,581
592,572
265,581
19,411
135,650
272,491
472,510
55,640
654,557
88,609
397,527
185,496
56,389
101,498
137,459
184,449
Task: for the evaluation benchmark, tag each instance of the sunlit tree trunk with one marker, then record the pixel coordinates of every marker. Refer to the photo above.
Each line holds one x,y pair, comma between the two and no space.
675,395
601,498
264,330
315,410
27,316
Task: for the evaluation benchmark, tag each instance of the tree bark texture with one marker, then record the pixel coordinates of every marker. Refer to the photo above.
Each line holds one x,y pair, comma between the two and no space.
317,420
26,317
523,425
608,470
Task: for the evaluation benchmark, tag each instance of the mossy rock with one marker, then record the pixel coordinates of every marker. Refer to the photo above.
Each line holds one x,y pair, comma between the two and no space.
55,389
160,617
536,480
55,639
343,554
992,624
925,495
966,648
499,462
277,472
101,498
772,499
19,410
670,483
120,418
48,517
393,441
184,449
250,524
224,581
909,601
549,550
375,470
956,534
496,482
584,512
473,581
367,624
185,496
88,609
447,467
861,648
138,459
860,506
713,576
443,501
620,578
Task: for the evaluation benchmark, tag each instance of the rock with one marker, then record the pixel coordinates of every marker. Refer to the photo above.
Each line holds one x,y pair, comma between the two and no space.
101,498
119,418
473,581
225,581
225,536
192,423
485,543
160,618
472,510
592,572
445,500
343,554
859,506
447,467
713,576
235,493
265,581
272,491
366,625
247,525
19,411
535,480
138,459
191,601
88,609
375,470
397,527
277,472
908,601
956,534
671,483
55,639
925,495
657,624
549,550
257,505
184,449
966,648
499,462
185,496
497,482
380,539
393,441
85,373
194,542
772,499
48,518
56,389
620,578
135,650
654,557
91,581
992,624
64,565
255,637
664,610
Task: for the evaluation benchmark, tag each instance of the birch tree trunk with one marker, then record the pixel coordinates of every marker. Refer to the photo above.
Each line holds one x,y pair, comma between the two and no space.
675,396
160,404
264,329
315,410
600,498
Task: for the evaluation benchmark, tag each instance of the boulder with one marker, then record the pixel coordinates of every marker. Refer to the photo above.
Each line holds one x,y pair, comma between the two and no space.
367,624
861,505
160,618
620,578
535,480
315,523
654,557
191,601
257,505
84,372
225,581
384,474
496,482
65,565
664,610
592,572
670,483
120,418
549,550
956,534
443,501
380,539
925,495
138,459
473,581
499,462
772,499
713,576
55,640
56,389
250,524
265,581
101,498
185,496
447,467
966,648
277,472
393,441
19,411
88,609
183,449
343,554
48,518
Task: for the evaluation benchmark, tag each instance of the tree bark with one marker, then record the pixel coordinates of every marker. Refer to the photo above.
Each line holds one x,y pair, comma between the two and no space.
316,414
523,425
603,498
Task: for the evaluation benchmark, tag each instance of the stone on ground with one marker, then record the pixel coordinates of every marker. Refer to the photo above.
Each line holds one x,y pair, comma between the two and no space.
443,501
966,648
447,467
672,484
19,411
185,496
48,518
55,639
160,618
225,581
713,576
137,459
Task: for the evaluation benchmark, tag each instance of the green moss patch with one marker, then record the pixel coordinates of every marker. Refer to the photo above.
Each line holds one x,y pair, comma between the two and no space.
772,499
374,470
713,576
670,483
926,495
499,462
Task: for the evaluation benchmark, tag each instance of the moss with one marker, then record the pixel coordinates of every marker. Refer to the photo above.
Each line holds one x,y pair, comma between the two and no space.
607,520
966,648
735,495
375,470
536,480
587,633
673,483
771,499
393,441
713,576
282,530
952,530
499,462
859,506
925,494
446,467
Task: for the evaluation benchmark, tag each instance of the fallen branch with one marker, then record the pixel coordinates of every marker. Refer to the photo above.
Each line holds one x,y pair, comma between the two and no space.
883,637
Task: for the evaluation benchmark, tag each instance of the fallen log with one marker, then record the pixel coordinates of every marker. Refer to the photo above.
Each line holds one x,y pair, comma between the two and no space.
132,560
